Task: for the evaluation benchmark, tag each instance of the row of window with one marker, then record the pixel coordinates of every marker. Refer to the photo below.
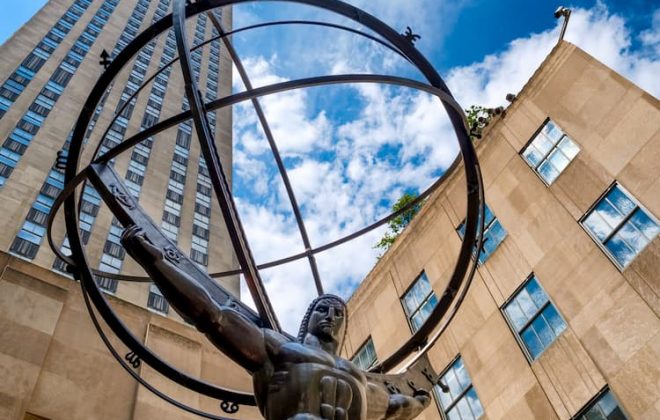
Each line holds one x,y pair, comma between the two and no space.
113,253
21,77
529,312
91,200
171,219
29,238
200,231
617,222
18,141
457,397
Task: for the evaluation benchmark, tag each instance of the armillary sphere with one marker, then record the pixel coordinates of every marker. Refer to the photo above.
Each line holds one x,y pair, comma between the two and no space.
104,179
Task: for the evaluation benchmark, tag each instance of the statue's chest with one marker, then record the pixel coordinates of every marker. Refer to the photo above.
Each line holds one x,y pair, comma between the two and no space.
316,389
298,353
309,380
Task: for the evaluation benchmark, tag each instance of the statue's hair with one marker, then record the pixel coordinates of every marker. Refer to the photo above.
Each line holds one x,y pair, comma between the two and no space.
304,324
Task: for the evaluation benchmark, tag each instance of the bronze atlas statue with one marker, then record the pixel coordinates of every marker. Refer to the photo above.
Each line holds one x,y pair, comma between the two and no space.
299,377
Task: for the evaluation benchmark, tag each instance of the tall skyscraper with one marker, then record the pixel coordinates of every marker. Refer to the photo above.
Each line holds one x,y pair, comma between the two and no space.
48,68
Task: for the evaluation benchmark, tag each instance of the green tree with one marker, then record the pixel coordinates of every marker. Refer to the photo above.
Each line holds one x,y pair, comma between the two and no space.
397,224
478,117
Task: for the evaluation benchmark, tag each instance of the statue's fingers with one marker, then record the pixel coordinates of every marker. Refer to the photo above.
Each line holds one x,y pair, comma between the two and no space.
344,394
340,414
327,411
328,390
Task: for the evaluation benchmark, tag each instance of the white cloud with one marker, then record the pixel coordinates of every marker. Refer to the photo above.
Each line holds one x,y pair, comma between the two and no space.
343,165
295,130
650,38
597,31
398,140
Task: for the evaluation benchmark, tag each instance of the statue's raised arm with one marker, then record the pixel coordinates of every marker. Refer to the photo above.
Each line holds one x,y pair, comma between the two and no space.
232,333
293,379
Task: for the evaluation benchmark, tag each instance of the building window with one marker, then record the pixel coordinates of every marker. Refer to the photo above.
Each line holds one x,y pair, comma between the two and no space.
534,318
620,225
156,301
365,358
494,234
107,284
25,248
419,301
550,152
603,407
461,401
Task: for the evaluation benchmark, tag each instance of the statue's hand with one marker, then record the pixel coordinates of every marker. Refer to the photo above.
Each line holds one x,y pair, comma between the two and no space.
423,397
403,407
137,244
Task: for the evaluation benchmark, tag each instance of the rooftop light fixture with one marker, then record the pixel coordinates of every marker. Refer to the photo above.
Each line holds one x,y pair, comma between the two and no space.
566,13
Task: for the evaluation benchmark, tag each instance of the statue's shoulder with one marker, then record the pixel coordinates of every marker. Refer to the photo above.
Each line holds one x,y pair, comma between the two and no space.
275,339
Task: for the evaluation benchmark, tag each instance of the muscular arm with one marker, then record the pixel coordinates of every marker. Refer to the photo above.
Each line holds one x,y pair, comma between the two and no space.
228,330
383,405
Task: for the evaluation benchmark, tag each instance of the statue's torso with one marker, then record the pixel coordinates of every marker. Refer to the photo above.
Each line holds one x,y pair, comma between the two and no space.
307,380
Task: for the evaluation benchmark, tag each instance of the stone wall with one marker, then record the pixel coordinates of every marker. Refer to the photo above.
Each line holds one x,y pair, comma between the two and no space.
612,334
53,363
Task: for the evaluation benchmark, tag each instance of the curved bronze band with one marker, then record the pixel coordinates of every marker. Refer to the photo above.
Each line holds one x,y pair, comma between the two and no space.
399,43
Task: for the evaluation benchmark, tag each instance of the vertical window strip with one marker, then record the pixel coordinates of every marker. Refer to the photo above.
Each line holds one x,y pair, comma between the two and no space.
460,402
91,200
135,173
171,219
620,225
43,104
201,218
418,302
534,318
550,152
22,76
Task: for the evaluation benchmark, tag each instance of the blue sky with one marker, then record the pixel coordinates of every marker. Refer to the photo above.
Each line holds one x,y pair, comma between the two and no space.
352,150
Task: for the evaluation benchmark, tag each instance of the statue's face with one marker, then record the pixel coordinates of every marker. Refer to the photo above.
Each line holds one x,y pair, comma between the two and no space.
327,321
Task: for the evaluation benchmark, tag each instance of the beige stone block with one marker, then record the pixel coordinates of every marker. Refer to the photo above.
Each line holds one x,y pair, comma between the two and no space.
495,156
642,275
475,310
566,371
28,308
637,383
631,130
183,353
507,266
18,381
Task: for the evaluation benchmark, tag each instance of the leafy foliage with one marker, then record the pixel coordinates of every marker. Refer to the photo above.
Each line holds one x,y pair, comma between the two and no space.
397,224
478,118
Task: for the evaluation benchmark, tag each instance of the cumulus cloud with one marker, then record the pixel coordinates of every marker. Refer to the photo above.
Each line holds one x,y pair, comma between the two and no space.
397,140
597,31
351,152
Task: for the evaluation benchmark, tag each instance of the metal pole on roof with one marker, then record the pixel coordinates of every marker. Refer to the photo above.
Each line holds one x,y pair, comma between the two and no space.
566,13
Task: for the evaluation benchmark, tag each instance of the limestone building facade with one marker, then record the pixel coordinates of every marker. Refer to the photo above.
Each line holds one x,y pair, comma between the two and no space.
561,320
53,364
49,66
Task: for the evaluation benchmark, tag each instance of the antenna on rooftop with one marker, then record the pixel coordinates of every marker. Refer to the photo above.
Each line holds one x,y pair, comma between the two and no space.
566,13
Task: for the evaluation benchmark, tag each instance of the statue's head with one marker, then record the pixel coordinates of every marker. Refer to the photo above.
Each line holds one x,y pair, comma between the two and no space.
326,320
